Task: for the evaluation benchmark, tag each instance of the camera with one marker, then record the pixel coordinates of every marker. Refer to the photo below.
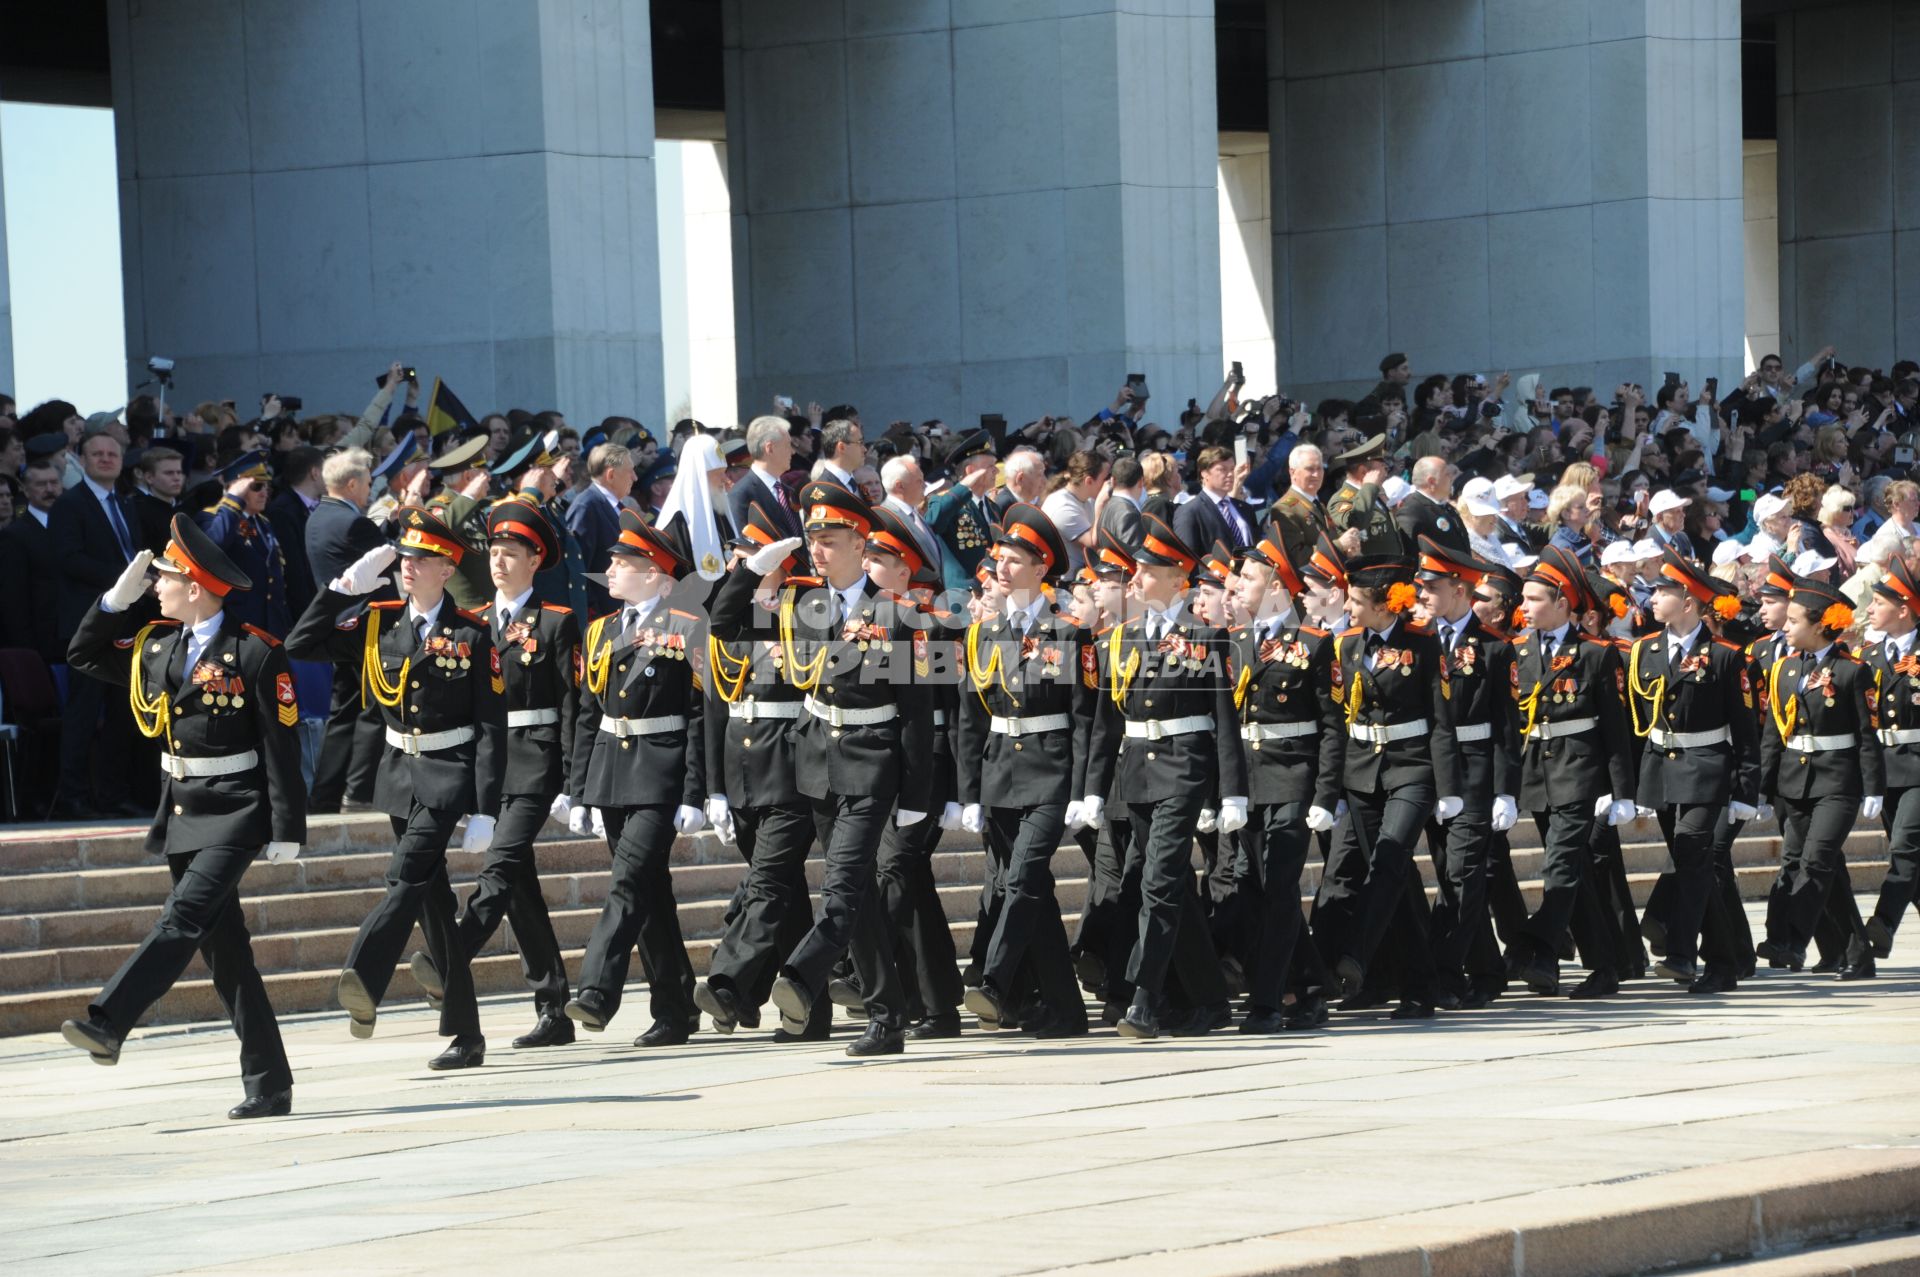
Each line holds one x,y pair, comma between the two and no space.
161,368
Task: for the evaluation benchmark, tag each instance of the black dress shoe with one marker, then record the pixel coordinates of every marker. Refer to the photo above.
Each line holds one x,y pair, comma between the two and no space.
1678,972
1203,1021
278,1104
1780,955
1475,999
719,1004
844,993
1598,984
1263,1020
427,976
1712,981
1138,1023
1111,1013
1828,965
664,1033
1861,970
461,1053
93,1037
553,1028
1542,975
984,1001
1447,1001
878,1041
794,1001
1306,1014
1092,971
944,1025
1880,936
589,1010
351,993
1349,977
1365,1000
1412,1009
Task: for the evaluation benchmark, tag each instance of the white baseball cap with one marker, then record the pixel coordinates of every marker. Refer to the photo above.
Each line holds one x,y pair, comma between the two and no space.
1508,485
1536,500
1395,489
1719,494
1667,499
1728,552
1646,549
1811,561
1617,552
1477,498
1769,504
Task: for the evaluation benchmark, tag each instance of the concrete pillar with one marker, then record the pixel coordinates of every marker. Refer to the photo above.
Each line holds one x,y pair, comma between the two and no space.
6,306
311,188
948,207
1848,82
1246,257
1535,185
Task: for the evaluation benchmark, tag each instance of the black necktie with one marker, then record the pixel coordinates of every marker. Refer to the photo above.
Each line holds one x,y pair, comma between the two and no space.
177,663
119,524
1374,642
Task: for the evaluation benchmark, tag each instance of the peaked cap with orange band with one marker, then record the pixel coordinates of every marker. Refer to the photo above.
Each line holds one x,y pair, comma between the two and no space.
891,535
1713,594
1218,564
195,555
1438,559
522,522
1898,585
1111,558
1824,603
423,535
1560,571
1161,546
640,540
1779,581
825,504
1271,551
762,531
1326,563
1030,528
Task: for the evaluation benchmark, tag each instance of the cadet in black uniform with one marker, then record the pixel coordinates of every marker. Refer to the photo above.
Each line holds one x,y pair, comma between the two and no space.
221,697
1823,765
1691,697
1896,670
539,648
639,759
863,750
1294,738
436,674
527,468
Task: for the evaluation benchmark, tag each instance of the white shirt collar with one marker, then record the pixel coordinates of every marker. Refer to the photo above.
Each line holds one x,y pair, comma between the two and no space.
1022,618
415,616
607,492
100,493
200,634
851,596
641,611
842,477
510,608
1683,641
1903,643
40,516
1819,656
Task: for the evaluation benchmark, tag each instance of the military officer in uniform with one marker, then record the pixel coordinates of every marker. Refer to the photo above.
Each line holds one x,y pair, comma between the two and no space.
238,524
964,516
461,503
436,674
539,648
1893,611
1359,505
639,759
863,750
219,694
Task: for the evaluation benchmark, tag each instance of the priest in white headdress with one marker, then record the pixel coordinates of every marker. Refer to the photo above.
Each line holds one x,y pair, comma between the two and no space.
694,513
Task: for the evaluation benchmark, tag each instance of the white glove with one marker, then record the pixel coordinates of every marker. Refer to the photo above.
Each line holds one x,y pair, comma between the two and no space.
1074,809
1319,819
364,575
902,818
580,820
1766,813
132,583
1208,822
282,853
1448,809
1643,813
1233,815
1871,805
720,816
1603,804
973,818
950,816
1620,812
599,824
479,835
1506,813
561,809
1090,808
1745,812
769,557
688,820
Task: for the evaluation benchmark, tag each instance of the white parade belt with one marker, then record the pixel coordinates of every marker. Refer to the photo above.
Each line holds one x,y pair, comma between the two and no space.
748,711
1157,728
627,728
532,717
1471,732
939,718
1385,733
837,717
201,768
1688,740
1256,732
1565,727
1031,725
428,742
1899,735
1804,744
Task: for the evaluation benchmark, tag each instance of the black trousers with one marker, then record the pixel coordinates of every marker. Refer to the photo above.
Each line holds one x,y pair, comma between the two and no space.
851,919
1901,887
97,746
640,909
1595,926
1367,872
1107,926
1693,904
1460,857
203,915
923,951
350,749
773,912
1284,842
1169,904
418,891
1565,831
509,888
1813,832
1029,937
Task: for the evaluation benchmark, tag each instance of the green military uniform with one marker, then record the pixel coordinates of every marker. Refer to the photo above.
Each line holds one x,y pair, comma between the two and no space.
1364,508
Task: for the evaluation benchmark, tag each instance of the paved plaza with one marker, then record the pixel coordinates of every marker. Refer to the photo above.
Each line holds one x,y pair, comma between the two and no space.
985,1155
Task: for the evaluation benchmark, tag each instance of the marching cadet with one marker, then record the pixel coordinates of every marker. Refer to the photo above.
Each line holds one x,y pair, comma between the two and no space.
526,468
863,751
1822,763
222,700
436,674
1496,602
1606,925
752,732
1158,740
1324,574
1025,710
1574,751
1690,697
1295,739
1476,676
638,759
1896,669
539,648
1359,505
1401,766
238,524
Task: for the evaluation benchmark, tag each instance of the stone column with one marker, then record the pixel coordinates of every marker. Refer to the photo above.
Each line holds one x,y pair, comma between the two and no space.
312,188
1848,82
1536,185
949,207
6,308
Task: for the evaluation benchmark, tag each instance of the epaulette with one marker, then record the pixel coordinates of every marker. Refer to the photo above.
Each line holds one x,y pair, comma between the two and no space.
685,616
1645,638
1102,633
1236,629
806,582
475,617
1731,647
1588,638
1415,627
261,634
387,604
1308,629
1349,633
555,607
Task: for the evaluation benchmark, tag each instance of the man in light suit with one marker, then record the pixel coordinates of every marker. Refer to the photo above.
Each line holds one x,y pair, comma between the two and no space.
594,516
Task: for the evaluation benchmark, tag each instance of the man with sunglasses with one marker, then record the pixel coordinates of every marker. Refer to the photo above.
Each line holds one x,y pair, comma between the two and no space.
237,523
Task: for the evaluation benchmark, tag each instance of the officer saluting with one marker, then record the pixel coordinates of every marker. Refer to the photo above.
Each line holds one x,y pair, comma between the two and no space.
219,694
435,673
237,523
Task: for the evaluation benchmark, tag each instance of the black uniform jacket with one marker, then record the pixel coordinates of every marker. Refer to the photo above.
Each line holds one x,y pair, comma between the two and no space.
1580,677
1713,693
1896,682
656,673
1402,685
750,744
238,697
1288,678
539,660
1826,694
1051,672
1476,684
1186,674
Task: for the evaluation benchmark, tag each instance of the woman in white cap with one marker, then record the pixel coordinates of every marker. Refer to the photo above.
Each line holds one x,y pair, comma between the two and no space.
1482,517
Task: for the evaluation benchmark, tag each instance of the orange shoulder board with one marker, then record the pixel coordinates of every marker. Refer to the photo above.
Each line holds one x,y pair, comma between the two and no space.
475,617
806,582
555,607
262,635
1308,629
1353,630
387,604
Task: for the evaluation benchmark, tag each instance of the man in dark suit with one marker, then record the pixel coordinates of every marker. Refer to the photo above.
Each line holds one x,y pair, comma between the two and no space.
288,512
94,539
1121,515
770,443
29,571
161,476
1426,512
1213,514
338,533
594,516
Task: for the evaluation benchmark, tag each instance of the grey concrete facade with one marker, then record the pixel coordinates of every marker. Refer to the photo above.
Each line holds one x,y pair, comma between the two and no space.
1848,80
1540,185
312,188
949,207
6,307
